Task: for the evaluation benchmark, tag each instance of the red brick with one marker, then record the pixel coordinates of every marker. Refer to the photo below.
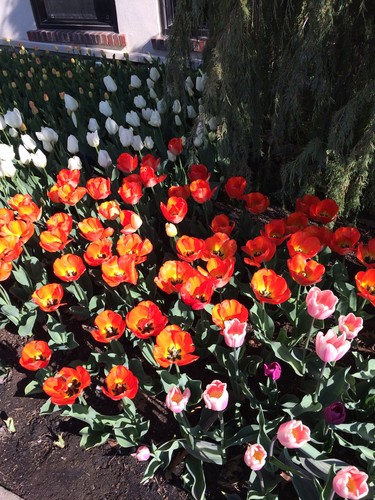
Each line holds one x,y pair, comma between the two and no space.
122,38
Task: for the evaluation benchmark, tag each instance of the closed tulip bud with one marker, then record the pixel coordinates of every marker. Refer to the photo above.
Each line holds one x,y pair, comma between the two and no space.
47,134
255,456
142,454
189,83
150,83
6,152
154,74
109,83
273,370
135,82
39,159
93,125
200,82
28,142
153,94
212,123
25,157
126,136
111,126
13,118
171,156
161,106
177,121
92,139
234,332
74,163
191,112
155,119
104,159
72,145
3,125
137,143
176,400
105,108
146,113
293,434
139,101
335,413
7,169
216,396
148,142
170,229
13,132
47,146
132,119
176,107
70,103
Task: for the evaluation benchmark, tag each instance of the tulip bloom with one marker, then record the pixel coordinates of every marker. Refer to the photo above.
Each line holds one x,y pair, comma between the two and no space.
61,221
255,456
197,291
35,355
219,245
99,188
197,172
365,281
175,146
219,271
67,385
302,243
331,347
69,267
175,209
92,229
261,249
189,248
296,221
70,177
26,208
269,287
18,228
131,190
54,240
305,272
176,400
335,413
109,326
227,310
222,224
146,320
322,233
10,248
351,325
350,483
142,454
134,246
256,203
234,332
66,194
179,191
320,303
276,231
273,370
216,396
305,203
324,211
98,251
130,221
366,253
150,161
127,163
116,270
149,177
235,187
174,346
5,270
109,210
172,274
201,192
120,383
48,297
344,240
293,434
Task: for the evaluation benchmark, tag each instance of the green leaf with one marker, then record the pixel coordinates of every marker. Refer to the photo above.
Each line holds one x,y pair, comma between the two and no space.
91,438
205,451
366,431
320,468
12,313
23,279
195,470
27,322
181,314
335,387
366,452
305,488
306,405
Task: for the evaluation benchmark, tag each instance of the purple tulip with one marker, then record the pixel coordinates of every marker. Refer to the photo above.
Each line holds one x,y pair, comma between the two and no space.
273,370
335,413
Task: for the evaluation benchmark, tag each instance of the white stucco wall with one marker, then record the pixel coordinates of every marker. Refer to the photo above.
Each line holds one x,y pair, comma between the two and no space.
16,18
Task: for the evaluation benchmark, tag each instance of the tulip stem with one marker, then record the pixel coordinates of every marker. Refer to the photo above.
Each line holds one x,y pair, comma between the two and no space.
307,345
297,301
364,302
221,420
272,444
332,495
4,295
316,395
261,480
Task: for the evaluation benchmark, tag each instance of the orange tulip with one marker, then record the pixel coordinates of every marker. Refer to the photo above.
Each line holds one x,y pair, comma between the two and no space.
305,272
127,163
366,253
256,203
98,251
324,211
197,291
54,240
131,190
235,187
269,287
276,231
69,267
120,383
146,320
201,192
219,245
260,249
6,215
109,326
304,244
35,355
70,177
227,310
175,209
365,281
10,248
116,270
18,228
5,270
66,194
305,203
18,199
174,347
222,224
92,229
60,220
26,208
172,274
179,191
99,188
296,222
133,245
67,385
198,171
149,177
130,221
109,210
344,240
48,297
189,248
219,271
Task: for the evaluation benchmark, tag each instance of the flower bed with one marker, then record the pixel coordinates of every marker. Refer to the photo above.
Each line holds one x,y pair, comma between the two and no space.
118,262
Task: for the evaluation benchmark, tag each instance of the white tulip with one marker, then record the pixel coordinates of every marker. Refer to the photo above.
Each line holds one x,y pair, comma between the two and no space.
135,82
200,82
198,141
72,145
47,146
155,119
104,159
146,113
150,83
171,156
74,163
2,123
162,106
105,108
177,121
133,119
13,132
25,156
39,159
148,142
110,84
153,94
28,142
70,103
126,136
212,123
47,134
176,108
13,118
92,139
154,74
7,169
6,152
189,83
93,125
139,101
191,112
137,143
111,126
74,119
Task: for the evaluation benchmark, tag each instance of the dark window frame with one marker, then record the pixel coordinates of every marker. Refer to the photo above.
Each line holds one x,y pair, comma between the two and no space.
167,12
43,22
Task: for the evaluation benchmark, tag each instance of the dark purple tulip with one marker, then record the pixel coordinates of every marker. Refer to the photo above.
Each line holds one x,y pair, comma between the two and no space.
273,370
335,413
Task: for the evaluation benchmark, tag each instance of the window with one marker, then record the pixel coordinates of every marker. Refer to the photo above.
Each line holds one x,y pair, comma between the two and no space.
75,14
167,11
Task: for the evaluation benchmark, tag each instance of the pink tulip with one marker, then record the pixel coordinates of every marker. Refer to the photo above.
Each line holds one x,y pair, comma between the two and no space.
293,434
176,400
255,456
320,303
142,454
234,332
350,483
331,347
273,370
216,396
351,325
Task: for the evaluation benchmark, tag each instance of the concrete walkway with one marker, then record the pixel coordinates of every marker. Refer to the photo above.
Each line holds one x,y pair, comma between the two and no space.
7,495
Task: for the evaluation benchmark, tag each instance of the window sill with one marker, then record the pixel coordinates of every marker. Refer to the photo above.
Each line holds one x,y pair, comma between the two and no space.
197,44
78,37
